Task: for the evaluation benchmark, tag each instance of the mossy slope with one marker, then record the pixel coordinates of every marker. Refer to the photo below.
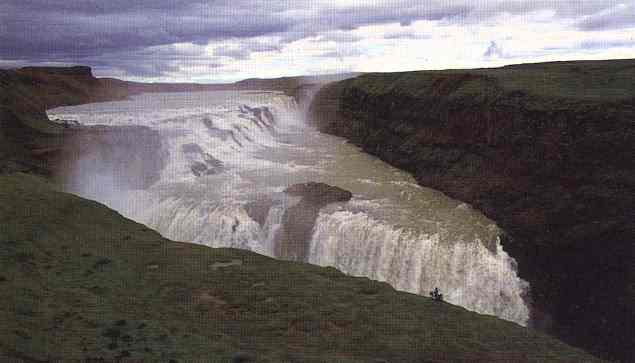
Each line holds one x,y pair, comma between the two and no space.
81,282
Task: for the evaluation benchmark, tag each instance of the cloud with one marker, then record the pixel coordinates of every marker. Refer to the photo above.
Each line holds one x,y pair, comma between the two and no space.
232,52
405,34
494,50
77,28
161,38
618,17
244,49
344,52
340,37
605,44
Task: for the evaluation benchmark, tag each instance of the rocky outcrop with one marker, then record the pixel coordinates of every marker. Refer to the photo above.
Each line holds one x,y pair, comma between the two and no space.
546,150
202,163
292,242
319,194
258,210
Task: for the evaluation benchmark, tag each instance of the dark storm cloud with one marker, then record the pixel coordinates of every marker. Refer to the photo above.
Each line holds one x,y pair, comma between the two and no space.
127,32
42,28
405,14
34,29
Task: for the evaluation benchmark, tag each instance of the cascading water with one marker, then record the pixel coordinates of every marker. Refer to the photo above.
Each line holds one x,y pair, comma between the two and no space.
228,158
468,272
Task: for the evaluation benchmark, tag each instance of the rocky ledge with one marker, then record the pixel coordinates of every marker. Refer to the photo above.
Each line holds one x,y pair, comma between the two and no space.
546,150
298,220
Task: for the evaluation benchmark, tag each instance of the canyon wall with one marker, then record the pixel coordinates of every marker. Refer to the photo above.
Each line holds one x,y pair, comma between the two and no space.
546,150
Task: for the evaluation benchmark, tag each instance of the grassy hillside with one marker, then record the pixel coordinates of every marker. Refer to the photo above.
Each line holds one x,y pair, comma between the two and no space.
81,282
580,80
545,150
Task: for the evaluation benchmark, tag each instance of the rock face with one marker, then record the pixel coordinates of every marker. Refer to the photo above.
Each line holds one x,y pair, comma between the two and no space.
259,209
546,150
319,194
292,242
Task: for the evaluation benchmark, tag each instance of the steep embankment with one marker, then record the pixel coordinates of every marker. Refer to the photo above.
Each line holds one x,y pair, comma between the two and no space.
29,142
81,282
546,150
27,137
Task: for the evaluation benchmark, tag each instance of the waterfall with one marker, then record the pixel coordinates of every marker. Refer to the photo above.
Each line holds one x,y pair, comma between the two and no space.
224,223
468,273
223,162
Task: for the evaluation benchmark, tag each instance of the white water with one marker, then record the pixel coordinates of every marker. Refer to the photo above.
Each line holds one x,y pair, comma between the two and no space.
393,230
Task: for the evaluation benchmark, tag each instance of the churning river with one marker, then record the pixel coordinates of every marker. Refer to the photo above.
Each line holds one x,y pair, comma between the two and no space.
227,152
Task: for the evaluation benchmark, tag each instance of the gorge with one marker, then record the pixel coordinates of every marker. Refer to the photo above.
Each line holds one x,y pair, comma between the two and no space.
222,152
545,150
223,167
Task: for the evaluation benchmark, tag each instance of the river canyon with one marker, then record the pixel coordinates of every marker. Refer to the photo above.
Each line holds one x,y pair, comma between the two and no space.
218,177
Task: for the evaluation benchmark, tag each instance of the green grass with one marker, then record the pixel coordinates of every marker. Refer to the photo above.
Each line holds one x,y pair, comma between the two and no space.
582,80
80,281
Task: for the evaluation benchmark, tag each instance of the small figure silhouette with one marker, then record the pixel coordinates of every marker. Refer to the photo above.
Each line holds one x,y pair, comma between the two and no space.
436,295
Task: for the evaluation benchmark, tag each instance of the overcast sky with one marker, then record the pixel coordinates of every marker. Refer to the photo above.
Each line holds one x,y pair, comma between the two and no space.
227,40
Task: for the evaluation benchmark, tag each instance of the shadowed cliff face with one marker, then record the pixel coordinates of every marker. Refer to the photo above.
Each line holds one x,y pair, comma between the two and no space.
545,150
